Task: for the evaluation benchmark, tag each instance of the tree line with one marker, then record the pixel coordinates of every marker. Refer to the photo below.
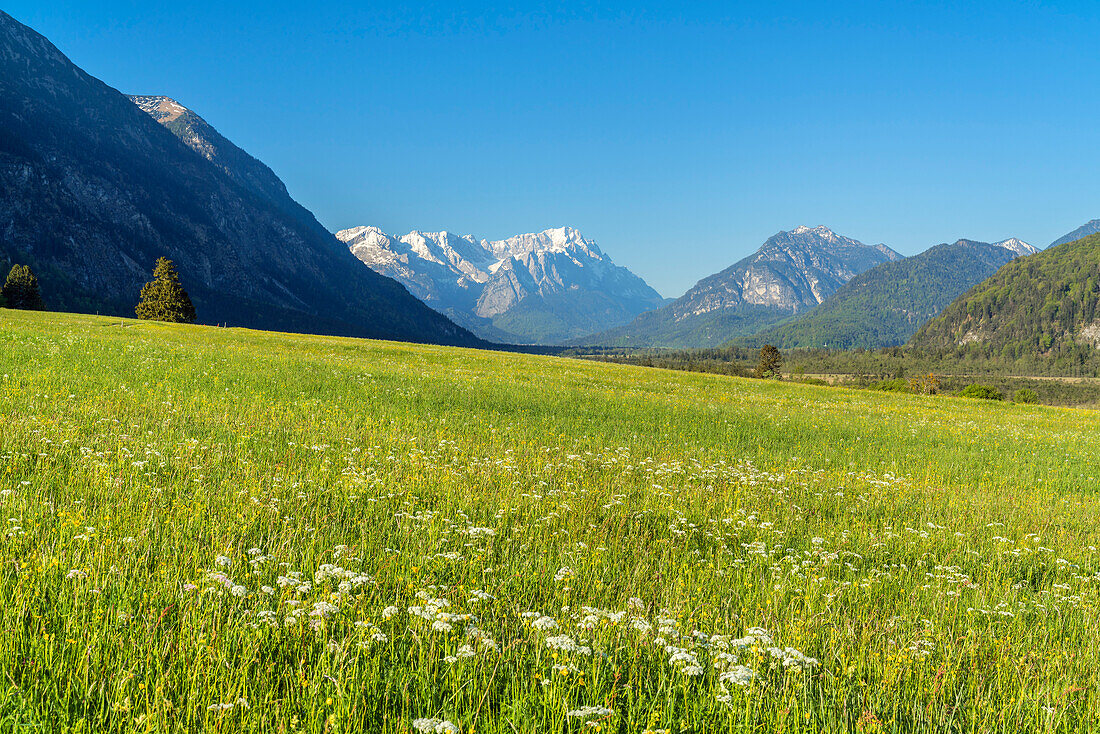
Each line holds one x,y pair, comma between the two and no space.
162,299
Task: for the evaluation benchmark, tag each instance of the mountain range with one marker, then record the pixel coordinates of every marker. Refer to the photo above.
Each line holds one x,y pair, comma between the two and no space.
537,288
791,272
95,186
1046,305
93,189
884,306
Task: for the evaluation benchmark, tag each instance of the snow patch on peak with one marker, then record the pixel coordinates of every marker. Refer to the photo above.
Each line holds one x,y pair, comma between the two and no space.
346,235
555,240
820,230
1018,246
466,256
161,108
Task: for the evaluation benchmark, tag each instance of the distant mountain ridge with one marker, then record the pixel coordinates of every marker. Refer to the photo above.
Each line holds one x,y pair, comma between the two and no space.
93,190
886,305
539,288
1045,305
1092,227
791,272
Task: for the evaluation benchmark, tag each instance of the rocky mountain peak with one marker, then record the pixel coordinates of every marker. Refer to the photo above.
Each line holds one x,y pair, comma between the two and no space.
161,109
1018,246
819,231
556,240
562,283
792,271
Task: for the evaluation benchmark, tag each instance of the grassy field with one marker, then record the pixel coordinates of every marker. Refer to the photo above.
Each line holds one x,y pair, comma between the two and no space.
220,530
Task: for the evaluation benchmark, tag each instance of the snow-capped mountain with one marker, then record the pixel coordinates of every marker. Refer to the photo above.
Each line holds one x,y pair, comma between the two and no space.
1018,246
538,288
792,271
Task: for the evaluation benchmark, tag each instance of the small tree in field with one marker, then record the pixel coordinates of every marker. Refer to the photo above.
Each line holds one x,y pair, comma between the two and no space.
770,362
21,290
163,298
925,385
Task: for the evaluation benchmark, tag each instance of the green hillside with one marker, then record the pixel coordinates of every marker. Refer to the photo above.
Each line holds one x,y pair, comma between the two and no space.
1047,304
219,530
884,306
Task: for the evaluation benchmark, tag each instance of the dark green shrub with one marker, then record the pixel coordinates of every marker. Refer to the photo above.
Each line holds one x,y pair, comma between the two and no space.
1026,396
898,385
982,392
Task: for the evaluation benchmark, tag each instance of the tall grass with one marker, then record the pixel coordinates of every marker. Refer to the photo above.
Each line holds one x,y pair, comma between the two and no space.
212,529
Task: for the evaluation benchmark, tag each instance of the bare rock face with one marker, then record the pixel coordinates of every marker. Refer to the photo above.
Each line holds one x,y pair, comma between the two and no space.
886,305
791,272
532,288
1090,334
95,187
509,284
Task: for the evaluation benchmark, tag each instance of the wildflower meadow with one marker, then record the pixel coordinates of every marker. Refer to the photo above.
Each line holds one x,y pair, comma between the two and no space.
221,530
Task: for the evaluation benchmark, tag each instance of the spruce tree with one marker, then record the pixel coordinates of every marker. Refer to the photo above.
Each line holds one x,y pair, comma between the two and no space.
770,362
163,298
21,290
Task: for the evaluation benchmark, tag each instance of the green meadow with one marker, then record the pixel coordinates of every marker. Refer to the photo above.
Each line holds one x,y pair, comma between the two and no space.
224,530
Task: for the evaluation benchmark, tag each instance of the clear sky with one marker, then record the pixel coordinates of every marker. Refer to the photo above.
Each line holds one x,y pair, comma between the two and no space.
677,136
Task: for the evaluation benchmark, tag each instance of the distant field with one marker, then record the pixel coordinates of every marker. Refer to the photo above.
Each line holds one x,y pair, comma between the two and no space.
1076,392
220,530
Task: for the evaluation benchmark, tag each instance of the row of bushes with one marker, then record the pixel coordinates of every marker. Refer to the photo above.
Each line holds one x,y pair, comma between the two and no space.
980,392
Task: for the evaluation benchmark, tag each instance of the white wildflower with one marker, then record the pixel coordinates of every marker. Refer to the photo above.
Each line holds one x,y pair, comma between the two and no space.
587,712
434,726
323,609
544,623
741,675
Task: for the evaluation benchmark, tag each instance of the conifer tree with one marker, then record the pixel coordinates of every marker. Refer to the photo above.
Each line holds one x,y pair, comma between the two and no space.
163,298
21,290
770,362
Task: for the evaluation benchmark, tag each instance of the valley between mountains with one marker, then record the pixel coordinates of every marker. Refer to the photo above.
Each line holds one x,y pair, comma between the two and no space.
97,185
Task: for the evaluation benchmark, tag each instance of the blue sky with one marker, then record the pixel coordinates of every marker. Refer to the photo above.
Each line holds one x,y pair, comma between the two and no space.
677,136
